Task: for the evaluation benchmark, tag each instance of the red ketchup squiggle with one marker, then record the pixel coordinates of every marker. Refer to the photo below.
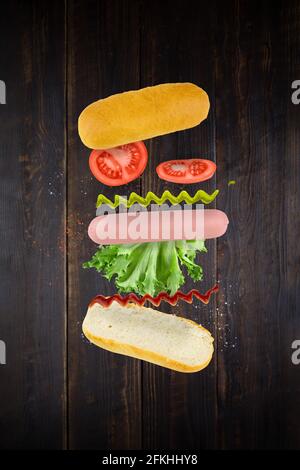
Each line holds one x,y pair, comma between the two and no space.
163,296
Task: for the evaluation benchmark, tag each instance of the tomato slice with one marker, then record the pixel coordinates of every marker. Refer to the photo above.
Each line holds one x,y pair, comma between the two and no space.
186,171
119,165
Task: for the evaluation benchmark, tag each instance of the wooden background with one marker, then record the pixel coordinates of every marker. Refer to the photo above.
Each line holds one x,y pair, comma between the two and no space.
58,391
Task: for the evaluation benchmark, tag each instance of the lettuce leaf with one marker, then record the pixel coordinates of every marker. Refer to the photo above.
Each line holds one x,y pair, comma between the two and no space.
148,268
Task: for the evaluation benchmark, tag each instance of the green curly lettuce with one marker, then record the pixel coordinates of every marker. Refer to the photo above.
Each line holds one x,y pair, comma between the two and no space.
148,268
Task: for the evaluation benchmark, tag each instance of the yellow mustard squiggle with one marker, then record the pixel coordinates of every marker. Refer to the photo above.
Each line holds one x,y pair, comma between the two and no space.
134,198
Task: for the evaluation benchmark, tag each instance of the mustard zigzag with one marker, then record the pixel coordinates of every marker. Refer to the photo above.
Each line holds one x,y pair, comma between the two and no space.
134,198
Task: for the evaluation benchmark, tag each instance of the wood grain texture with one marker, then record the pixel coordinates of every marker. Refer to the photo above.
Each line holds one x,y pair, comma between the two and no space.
104,389
257,145
32,211
289,299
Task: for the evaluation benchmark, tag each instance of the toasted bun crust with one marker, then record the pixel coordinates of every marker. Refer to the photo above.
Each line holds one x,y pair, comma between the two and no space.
142,114
147,355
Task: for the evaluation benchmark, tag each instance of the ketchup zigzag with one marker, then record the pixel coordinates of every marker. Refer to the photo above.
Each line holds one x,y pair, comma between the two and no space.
163,296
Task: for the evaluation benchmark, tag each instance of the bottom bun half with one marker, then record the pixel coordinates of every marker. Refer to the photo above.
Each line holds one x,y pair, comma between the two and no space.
150,335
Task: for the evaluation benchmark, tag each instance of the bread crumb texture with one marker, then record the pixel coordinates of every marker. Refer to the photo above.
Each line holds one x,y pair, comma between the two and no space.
173,338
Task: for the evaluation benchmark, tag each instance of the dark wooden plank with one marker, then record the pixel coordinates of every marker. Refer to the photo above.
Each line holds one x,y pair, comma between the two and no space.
289,300
258,145
179,410
104,389
32,277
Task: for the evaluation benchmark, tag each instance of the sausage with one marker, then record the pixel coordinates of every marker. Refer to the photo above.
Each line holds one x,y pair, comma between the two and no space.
153,226
142,114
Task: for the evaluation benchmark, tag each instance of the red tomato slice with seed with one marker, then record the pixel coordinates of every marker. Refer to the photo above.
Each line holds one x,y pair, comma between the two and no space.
119,165
186,171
